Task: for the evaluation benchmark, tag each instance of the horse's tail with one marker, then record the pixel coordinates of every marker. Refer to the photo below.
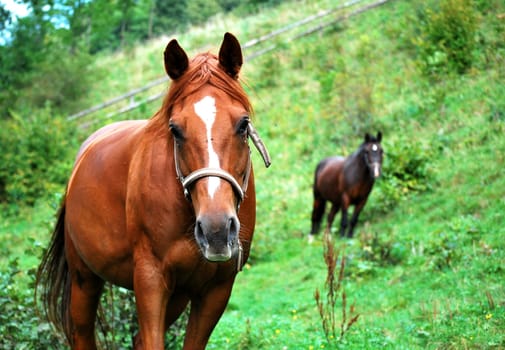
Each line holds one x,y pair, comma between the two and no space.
319,166
53,279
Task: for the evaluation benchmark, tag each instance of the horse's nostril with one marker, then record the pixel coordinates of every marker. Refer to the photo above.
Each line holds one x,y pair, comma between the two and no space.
233,228
200,234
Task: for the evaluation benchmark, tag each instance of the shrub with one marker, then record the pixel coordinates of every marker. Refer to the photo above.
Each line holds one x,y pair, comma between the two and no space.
406,170
61,78
447,37
384,250
20,326
36,155
23,326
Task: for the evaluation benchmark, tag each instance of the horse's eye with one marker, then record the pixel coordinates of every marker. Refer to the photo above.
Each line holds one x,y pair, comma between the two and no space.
242,126
176,132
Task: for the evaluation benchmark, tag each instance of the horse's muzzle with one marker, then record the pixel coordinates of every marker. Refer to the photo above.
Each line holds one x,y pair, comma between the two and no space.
376,170
217,237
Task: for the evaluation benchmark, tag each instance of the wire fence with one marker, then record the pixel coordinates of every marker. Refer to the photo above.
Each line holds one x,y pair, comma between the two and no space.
299,29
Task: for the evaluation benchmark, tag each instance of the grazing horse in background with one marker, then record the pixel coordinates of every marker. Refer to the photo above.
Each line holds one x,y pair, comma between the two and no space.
345,182
164,206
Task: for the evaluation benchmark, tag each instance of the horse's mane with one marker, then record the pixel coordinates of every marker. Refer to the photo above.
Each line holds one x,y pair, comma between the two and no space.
203,69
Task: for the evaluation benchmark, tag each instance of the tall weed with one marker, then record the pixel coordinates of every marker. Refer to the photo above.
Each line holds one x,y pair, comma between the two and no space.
334,291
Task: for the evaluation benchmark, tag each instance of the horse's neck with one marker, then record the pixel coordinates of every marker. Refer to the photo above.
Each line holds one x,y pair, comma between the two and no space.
358,165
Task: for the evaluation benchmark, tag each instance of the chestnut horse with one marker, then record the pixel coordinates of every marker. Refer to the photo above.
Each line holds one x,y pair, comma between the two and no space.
153,206
345,182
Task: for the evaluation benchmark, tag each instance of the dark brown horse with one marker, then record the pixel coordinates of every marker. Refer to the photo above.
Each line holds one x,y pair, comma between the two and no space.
345,182
153,206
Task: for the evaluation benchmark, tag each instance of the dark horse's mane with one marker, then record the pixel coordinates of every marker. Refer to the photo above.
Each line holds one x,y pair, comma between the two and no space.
203,69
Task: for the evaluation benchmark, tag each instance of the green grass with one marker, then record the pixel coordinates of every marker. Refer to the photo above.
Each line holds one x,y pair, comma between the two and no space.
424,273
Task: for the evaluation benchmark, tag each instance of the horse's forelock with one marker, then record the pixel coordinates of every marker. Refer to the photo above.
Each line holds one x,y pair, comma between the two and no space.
203,69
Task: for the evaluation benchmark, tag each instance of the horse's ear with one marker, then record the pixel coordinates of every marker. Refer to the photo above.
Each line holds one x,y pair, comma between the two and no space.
176,60
379,136
367,137
230,55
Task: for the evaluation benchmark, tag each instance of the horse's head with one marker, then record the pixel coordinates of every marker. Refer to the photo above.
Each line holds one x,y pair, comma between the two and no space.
209,118
373,153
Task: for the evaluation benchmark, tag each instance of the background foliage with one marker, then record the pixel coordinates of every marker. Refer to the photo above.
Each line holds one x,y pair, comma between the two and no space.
426,267
37,155
45,55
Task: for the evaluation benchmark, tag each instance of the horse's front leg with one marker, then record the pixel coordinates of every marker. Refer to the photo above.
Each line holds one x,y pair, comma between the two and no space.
331,216
344,221
151,295
355,215
206,311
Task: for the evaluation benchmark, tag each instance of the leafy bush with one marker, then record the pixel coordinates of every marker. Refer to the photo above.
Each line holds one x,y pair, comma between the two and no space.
24,328
36,156
406,169
121,323
20,326
447,37
384,250
61,78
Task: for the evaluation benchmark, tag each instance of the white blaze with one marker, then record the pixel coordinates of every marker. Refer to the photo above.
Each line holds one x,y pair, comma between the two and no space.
206,110
376,170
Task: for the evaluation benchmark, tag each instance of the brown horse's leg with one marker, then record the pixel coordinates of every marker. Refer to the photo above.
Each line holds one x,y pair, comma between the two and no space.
317,214
151,297
331,215
355,215
204,315
344,221
86,288
175,308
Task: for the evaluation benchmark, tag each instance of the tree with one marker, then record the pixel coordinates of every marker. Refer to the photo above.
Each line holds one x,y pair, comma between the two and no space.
169,16
5,18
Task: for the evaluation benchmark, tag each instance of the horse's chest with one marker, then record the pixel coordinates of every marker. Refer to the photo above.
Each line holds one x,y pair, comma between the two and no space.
359,192
185,266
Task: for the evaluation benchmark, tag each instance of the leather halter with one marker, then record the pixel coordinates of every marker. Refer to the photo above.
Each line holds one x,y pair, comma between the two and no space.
196,175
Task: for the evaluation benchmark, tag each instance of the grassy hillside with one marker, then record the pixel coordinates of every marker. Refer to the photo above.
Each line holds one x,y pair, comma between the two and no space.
426,268
426,272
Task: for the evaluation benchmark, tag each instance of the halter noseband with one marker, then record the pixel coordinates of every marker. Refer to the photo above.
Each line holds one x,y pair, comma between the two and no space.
196,175
205,172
